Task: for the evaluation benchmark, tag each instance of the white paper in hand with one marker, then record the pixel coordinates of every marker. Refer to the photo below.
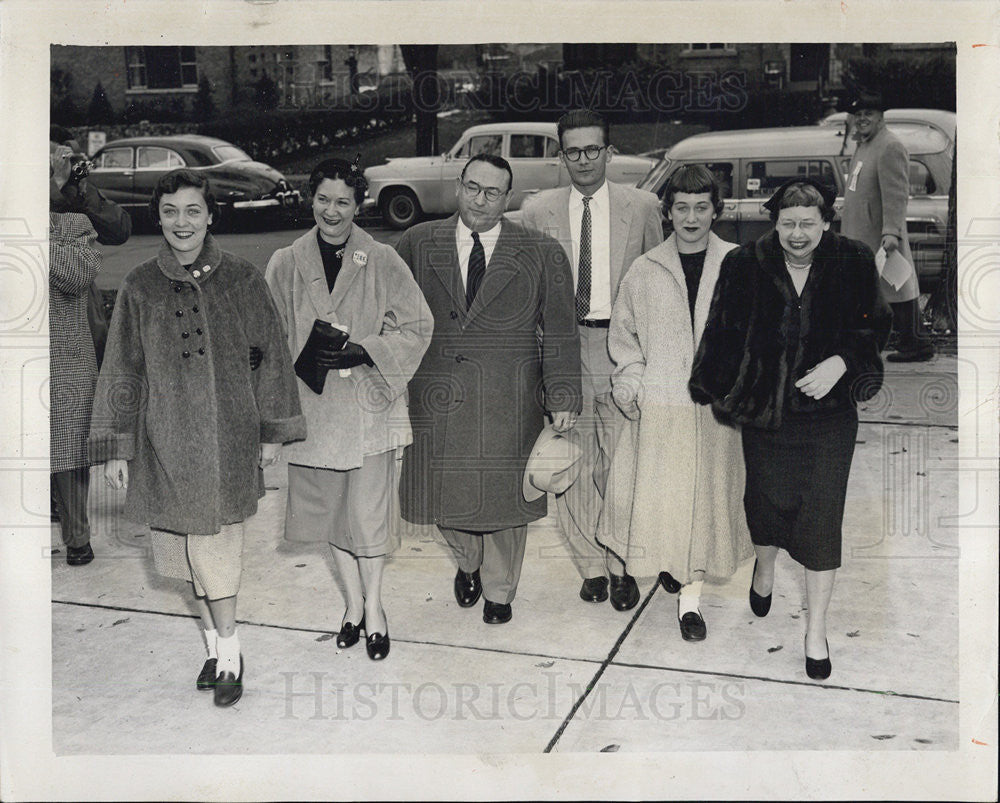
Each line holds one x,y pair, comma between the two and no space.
344,372
893,267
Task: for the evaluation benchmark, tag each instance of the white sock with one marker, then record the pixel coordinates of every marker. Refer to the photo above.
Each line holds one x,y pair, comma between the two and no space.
229,654
687,600
210,637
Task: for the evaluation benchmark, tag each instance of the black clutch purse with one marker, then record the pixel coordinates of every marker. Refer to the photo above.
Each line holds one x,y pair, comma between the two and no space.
323,337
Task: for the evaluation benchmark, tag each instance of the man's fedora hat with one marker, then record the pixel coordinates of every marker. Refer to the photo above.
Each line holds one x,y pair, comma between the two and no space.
553,465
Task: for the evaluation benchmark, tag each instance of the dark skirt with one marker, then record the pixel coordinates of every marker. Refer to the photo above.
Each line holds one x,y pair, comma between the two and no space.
797,483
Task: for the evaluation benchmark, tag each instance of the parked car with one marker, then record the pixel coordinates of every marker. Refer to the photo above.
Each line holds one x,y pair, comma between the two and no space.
944,121
406,189
752,163
126,171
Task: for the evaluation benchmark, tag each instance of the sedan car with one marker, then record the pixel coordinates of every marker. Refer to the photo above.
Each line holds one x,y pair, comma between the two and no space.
750,164
126,171
406,189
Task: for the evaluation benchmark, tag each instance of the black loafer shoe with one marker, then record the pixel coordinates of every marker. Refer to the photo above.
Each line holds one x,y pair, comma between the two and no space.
594,589
377,645
350,633
229,689
624,592
669,583
496,613
79,555
819,669
758,604
468,588
693,627
206,678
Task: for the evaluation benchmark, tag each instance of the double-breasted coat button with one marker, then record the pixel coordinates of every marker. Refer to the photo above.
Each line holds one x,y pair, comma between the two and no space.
179,313
453,315
185,334
185,354
197,331
201,351
194,308
459,358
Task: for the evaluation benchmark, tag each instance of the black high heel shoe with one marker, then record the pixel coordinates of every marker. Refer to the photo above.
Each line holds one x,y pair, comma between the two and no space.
819,668
758,604
377,645
350,633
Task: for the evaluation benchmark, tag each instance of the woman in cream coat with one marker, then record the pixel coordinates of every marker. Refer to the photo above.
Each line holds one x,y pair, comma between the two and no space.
342,480
677,481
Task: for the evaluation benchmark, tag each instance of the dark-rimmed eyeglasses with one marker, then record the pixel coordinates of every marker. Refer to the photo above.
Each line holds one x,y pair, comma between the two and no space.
592,151
472,190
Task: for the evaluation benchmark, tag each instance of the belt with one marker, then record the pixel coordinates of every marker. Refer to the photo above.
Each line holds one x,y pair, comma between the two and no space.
592,324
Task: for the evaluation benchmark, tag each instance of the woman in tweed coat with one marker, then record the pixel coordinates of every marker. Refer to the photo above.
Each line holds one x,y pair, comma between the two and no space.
183,417
73,263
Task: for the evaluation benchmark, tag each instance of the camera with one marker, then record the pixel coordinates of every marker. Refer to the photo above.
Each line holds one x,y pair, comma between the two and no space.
80,167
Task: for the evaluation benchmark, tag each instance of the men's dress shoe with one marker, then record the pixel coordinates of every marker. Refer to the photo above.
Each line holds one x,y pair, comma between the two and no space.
921,354
229,689
819,668
468,588
378,645
758,604
350,633
496,613
206,678
79,555
624,592
669,583
594,589
693,627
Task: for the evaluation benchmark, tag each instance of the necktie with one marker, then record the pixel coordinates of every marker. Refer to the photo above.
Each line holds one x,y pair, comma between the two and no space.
477,269
583,274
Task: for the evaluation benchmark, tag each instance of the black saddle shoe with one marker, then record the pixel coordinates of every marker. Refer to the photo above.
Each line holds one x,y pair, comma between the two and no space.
624,592
819,669
206,678
350,633
79,555
496,613
229,689
693,627
758,604
468,588
594,589
669,583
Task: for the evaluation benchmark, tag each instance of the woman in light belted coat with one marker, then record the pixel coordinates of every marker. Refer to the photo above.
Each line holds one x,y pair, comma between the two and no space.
343,479
676,482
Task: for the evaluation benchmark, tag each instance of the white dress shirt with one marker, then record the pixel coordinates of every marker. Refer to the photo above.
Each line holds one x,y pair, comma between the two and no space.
463,241
600,248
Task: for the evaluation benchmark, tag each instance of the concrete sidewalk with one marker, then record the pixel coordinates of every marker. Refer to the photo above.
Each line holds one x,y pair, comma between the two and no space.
564,675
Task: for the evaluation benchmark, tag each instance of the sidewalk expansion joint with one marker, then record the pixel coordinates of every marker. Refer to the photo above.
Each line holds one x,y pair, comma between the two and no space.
600,670
809,684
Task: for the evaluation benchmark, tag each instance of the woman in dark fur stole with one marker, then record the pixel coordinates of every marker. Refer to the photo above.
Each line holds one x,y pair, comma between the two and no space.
791,345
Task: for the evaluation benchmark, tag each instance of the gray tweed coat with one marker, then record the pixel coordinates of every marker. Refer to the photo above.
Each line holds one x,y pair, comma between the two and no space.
73,264
176,396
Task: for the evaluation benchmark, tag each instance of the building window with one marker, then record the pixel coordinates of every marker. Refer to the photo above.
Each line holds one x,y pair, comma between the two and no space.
326,64
709,49
161,67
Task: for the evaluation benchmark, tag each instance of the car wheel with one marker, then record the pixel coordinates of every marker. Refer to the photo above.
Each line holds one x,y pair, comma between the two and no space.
400,208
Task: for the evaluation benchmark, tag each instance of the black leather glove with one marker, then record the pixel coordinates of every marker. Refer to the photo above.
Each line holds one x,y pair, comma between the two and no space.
347,357
256,355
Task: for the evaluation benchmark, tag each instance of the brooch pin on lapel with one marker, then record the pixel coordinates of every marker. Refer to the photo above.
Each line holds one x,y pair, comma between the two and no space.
361,258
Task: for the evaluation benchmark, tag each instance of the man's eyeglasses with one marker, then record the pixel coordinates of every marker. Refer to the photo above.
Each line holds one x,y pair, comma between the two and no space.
592,151
472,190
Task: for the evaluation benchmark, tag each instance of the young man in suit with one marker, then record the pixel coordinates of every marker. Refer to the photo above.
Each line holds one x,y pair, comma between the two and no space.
878,189
603,228
505,351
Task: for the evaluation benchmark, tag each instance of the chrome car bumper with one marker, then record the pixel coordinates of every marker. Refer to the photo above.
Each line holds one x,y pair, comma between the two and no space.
287,198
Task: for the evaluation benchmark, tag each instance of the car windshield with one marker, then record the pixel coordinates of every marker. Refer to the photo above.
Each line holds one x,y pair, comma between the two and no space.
655,175
230,153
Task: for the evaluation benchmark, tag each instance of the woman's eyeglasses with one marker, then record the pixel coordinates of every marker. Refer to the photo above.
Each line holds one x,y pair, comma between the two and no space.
472,190
592,151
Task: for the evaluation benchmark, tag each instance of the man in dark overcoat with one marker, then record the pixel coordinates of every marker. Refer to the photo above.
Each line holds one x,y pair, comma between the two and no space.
875,199
505,351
